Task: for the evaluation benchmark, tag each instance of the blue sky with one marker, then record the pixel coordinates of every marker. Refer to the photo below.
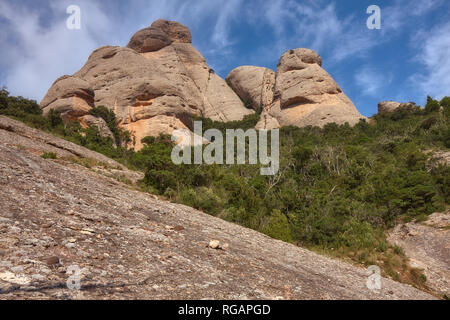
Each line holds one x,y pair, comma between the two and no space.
407,59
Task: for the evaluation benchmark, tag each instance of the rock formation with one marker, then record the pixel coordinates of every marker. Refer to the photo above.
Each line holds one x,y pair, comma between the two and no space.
72,96
300,93
390,106
89,121
160,81
255,85
154,85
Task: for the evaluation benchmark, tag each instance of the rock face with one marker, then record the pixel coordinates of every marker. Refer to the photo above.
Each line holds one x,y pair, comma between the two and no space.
300,93
154,85
390,106
255,85
58,216
15,134
72,96
427,245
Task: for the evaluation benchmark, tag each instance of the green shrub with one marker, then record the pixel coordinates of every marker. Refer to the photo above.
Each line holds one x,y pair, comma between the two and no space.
445,102
302,155
54,118
148,140
3,99
278,226
160,179
18,107
202,199
109,116
49,155
432,105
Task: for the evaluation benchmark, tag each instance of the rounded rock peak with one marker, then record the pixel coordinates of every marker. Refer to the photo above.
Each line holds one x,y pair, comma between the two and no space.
176,31
306,55
160,34
297,59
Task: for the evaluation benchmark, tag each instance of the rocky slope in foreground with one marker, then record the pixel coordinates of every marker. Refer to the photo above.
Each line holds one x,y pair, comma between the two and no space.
56,214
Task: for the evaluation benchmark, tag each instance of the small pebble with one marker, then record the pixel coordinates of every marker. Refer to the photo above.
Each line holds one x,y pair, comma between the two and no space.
214,244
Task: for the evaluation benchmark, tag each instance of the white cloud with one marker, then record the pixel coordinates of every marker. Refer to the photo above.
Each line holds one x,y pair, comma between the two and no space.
422,7
403,13
371,81
222,27
434,53
316,25
39,54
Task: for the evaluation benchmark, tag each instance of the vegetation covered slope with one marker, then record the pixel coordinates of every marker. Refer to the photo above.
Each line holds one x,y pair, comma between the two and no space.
338,190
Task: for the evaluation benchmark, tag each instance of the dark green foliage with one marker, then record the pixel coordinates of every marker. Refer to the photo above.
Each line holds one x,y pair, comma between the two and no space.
248,122
17,106
278,226
3,99
445,102
54,118
432,105
160,179
102,112
110,118
148,140
301,155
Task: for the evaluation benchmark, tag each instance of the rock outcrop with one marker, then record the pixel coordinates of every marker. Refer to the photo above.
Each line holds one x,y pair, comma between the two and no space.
300,93
73,97
154,85
427,245
160,34
390,106
91,121
16,135
57,217
254,85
